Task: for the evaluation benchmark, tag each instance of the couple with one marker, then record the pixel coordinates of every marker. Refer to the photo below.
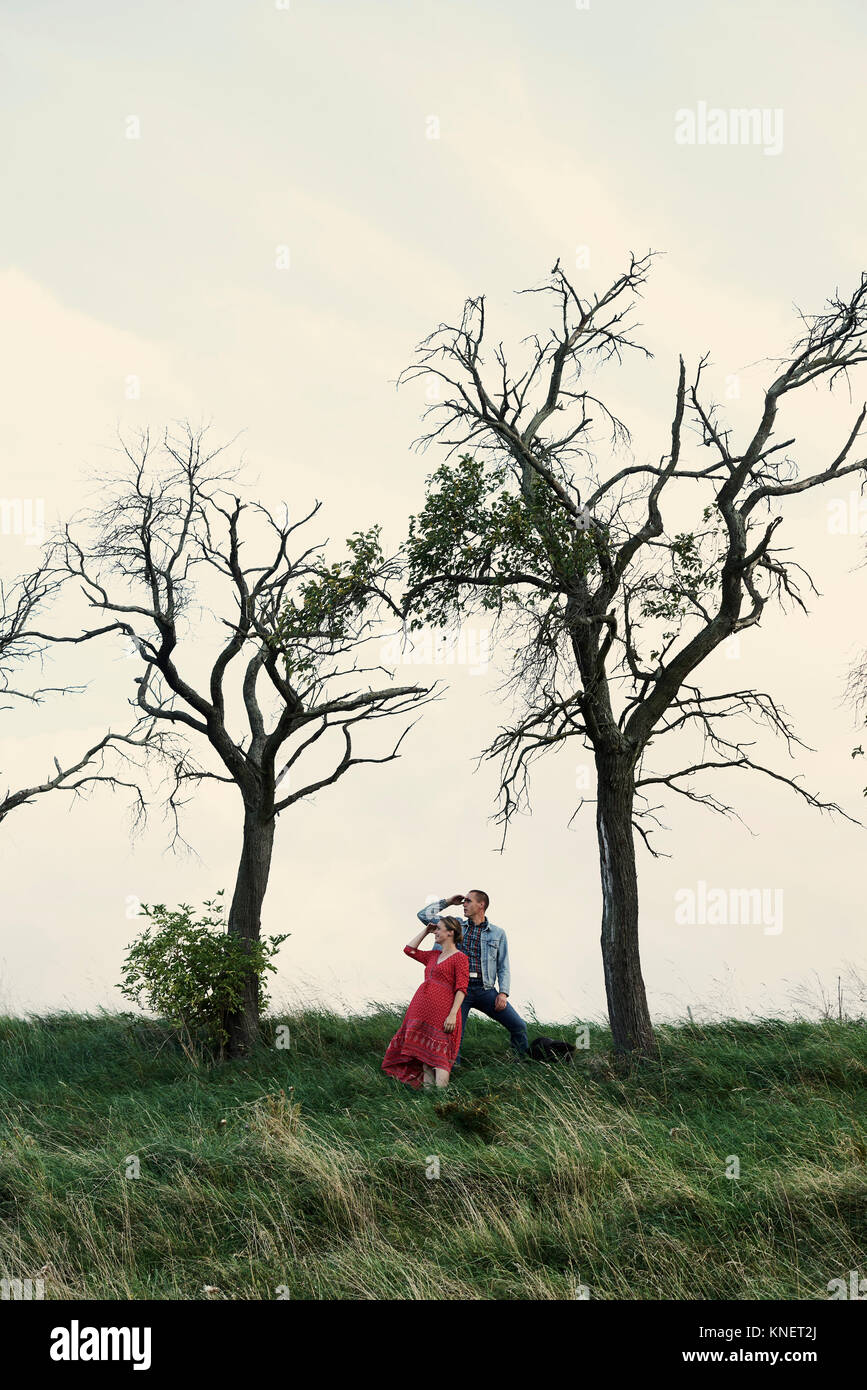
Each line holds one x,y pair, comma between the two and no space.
468,968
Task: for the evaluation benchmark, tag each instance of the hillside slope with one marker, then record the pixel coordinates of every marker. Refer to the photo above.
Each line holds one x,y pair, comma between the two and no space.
306,1170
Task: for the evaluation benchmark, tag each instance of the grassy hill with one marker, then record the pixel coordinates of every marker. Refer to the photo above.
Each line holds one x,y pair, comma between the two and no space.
307,1168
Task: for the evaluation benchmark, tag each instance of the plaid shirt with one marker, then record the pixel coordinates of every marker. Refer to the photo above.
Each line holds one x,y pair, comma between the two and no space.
471,945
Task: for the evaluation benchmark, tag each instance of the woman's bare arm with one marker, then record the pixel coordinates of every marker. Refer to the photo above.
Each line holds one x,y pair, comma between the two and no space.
452,1016
417,940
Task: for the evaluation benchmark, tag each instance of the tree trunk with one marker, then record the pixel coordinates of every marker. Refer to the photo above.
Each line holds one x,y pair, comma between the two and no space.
245,920
631,1029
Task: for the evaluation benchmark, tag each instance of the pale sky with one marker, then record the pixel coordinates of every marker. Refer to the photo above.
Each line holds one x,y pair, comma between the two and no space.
155,258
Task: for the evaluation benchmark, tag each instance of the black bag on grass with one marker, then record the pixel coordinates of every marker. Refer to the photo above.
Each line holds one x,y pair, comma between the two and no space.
551,1050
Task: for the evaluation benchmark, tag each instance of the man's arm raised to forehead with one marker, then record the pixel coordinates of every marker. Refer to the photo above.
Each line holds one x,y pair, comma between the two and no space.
431,911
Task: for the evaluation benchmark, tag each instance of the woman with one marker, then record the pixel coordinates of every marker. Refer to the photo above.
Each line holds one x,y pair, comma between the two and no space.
428,1041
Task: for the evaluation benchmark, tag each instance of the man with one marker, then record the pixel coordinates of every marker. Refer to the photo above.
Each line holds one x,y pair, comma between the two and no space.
488,952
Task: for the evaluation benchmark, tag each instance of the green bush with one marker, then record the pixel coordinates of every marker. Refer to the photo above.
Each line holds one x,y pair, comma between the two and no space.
192,973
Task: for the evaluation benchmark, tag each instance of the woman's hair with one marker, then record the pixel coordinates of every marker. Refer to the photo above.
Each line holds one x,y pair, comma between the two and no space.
454,927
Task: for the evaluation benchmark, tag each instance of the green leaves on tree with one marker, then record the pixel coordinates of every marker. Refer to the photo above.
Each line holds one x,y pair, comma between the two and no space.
481,531
329,606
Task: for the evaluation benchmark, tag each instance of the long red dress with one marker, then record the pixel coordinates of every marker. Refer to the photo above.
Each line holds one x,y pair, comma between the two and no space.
421,1037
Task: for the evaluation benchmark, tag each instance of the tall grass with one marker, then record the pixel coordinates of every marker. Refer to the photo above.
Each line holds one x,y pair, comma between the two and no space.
307,1171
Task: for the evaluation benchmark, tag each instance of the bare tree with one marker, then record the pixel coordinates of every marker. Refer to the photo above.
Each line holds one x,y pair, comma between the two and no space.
610,613
22,646
292,627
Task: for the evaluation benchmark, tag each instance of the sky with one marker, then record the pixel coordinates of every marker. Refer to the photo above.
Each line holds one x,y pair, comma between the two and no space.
248,215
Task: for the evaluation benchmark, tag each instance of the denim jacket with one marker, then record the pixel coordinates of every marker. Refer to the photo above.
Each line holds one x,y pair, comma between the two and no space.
494,948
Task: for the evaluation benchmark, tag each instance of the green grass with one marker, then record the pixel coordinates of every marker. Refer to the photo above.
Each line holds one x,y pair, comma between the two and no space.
306,1167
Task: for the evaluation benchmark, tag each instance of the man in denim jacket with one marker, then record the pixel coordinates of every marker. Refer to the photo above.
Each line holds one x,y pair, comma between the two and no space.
488,952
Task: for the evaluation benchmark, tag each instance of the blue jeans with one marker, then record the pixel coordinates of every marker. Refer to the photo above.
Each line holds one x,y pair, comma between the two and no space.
483,999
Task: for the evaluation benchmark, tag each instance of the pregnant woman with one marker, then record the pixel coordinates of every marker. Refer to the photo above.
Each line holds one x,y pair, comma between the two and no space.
427,1042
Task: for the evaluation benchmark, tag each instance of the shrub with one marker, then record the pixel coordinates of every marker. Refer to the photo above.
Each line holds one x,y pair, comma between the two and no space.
192,973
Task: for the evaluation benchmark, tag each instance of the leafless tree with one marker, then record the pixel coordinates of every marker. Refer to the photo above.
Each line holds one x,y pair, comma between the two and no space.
610,614
23,646
169,548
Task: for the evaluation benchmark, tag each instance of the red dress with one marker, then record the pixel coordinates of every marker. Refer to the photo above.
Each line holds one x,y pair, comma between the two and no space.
421,1037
